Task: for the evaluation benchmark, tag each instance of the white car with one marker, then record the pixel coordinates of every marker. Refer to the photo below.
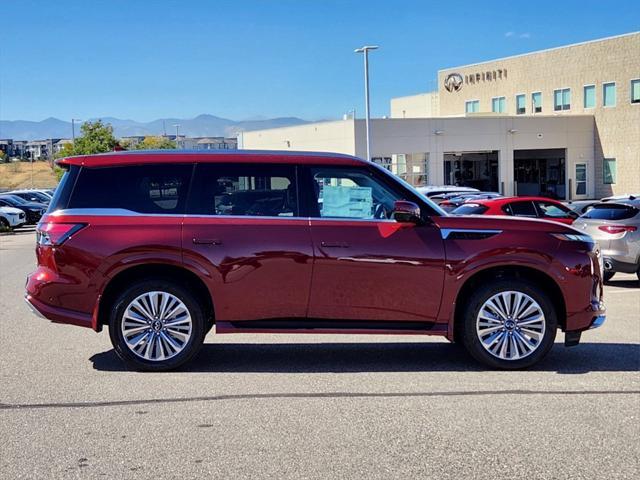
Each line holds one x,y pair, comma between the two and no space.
11,217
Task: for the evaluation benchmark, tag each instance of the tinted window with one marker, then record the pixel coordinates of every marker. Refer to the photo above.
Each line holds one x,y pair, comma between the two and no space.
611,212
244,189
140,188
472,209
520,209
551,210
62,194
352,193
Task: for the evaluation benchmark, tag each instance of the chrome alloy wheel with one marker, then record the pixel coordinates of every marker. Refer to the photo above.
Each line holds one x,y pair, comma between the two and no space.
156,326
510,325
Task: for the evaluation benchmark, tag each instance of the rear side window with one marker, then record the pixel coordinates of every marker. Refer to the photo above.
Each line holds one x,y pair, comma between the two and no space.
62,194
611,212
255,190
472,209
520,209
139,188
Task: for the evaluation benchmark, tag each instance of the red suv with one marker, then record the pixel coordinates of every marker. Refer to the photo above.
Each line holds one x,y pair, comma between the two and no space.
160,247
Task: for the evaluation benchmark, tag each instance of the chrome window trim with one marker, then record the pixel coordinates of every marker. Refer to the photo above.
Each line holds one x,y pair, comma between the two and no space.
123,212
445,232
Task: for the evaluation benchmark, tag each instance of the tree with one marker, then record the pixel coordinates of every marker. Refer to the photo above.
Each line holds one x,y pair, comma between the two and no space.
66,151
96,137
3,156
156,143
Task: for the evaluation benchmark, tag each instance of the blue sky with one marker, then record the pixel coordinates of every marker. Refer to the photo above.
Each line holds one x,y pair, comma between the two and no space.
241,59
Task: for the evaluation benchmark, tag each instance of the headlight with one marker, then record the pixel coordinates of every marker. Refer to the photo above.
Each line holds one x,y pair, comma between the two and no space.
574,237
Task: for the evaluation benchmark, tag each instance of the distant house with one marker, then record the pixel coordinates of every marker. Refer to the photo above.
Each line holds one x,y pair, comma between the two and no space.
217,143
58,146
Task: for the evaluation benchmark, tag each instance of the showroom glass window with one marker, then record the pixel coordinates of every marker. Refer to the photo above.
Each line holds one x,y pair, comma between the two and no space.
581,178
589,96
472,106
520,104
536,101
635,90
256,190
609,173
498,104
562,99
609,94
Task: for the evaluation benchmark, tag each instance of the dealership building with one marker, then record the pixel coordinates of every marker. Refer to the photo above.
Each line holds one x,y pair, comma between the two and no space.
563,122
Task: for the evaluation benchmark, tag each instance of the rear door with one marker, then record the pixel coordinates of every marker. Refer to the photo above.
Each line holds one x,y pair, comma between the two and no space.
367,265
524,208
243,231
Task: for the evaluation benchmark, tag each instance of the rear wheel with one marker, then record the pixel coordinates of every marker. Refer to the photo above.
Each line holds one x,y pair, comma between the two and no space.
509,324
608,276
156,325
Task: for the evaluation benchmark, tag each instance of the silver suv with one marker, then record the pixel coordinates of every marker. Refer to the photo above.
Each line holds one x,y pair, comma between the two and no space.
615,225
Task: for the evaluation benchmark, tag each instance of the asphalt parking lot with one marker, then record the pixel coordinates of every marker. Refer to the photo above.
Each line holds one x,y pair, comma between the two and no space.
285,406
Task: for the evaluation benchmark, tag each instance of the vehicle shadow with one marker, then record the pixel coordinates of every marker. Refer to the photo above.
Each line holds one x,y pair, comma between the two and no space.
383,357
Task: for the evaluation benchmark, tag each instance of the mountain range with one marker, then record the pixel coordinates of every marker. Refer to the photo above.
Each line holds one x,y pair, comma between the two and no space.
201,126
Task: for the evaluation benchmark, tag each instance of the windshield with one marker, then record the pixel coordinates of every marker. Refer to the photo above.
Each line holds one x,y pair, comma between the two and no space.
611,212
470,209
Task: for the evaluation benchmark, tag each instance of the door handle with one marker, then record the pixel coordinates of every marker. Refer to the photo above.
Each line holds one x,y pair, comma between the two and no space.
206,241
334,244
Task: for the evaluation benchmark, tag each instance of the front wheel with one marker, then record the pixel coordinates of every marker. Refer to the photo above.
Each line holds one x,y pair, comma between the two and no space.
156,325
509,324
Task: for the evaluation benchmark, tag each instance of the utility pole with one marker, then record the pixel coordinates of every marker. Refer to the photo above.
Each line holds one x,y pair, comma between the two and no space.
73,129
365,50
177,125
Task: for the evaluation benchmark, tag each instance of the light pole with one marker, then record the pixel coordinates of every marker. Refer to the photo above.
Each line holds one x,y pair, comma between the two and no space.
73,129
177,125
365,50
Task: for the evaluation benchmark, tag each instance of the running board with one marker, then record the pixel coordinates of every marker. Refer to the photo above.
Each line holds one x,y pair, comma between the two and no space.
302,325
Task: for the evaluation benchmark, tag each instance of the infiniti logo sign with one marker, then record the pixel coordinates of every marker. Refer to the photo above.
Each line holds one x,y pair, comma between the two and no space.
453,82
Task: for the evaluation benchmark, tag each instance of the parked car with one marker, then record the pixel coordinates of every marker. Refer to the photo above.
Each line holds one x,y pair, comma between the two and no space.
452,202
615,227
32,196
430,191
580,206
241,240
527,207
33,211
11,217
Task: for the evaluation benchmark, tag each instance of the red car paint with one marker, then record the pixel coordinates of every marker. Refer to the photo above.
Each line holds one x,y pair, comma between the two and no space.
501,206
352,273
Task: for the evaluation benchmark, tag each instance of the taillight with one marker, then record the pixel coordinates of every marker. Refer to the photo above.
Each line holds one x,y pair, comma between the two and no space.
54,234
615,229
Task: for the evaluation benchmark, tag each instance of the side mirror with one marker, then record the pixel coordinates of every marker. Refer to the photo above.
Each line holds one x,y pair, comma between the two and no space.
406,212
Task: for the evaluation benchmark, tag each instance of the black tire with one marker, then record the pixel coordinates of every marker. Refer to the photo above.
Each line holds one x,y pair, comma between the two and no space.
469,336
4,223
191,347
607,276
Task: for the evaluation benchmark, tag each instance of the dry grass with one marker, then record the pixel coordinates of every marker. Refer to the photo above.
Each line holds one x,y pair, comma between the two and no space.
18,175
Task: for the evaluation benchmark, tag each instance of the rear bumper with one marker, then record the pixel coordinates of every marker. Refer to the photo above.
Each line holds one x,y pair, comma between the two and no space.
57,315
613,265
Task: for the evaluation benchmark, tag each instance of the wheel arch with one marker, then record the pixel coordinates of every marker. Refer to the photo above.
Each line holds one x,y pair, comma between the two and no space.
163,271
542,279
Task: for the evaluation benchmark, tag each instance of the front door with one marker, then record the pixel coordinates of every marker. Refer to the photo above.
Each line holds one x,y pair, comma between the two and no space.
243,232
368,266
